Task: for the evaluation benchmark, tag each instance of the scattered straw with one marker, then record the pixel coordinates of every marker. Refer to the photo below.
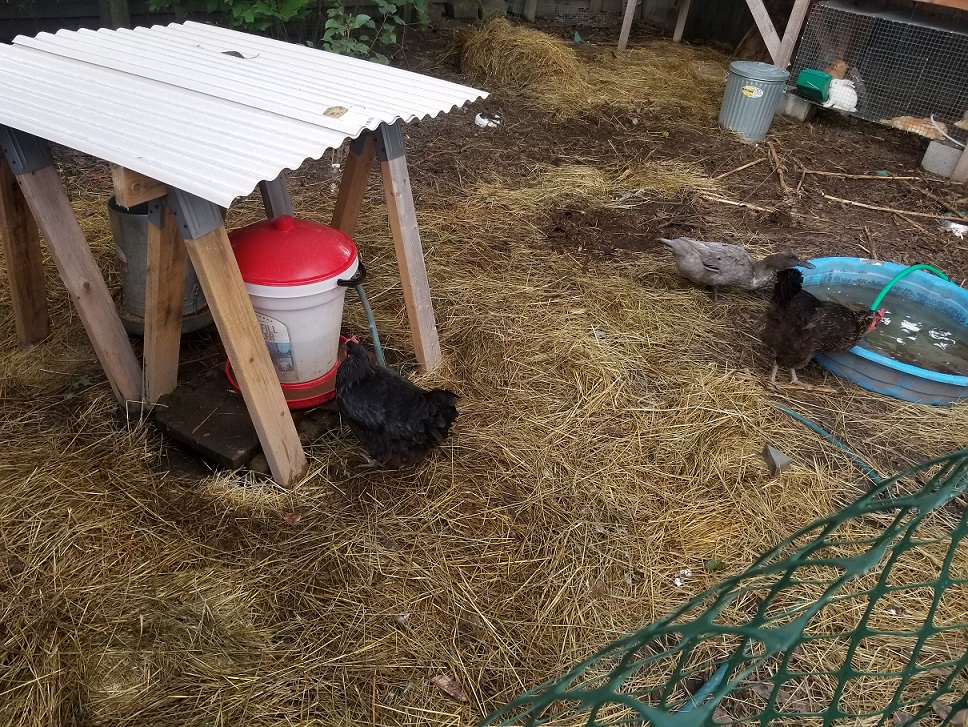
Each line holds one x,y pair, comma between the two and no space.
610,435
572,80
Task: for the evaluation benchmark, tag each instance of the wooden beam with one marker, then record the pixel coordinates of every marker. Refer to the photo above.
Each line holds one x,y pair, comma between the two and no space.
352,186
132,188
25,261
48,201
275,196
765,25
959,4
792,33
681,20
960,173
221,281
623,36
413,270
167,263
115,13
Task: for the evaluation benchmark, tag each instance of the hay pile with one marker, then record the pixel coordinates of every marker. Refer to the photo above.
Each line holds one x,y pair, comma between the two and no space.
604,444
610,435
572,80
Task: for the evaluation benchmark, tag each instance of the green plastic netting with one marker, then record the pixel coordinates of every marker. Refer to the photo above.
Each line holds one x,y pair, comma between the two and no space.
848,621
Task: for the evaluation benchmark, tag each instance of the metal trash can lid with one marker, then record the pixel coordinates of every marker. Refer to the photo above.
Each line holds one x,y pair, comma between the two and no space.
758,71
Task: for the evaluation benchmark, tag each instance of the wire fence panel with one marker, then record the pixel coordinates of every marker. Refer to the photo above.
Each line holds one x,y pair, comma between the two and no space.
858,618
905,67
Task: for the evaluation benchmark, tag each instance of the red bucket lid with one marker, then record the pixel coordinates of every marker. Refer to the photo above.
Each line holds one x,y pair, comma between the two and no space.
290,251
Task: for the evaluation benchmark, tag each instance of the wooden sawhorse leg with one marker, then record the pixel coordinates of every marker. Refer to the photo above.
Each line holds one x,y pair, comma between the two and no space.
200,225
386,144
29,158
25,263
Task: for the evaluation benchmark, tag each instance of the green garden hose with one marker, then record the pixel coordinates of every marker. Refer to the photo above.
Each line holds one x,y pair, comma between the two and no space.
907,271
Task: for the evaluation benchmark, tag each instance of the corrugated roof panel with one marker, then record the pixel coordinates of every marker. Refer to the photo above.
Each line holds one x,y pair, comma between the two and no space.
169,102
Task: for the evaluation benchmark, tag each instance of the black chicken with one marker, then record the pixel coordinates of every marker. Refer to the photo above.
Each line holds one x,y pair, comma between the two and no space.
798,325
397,422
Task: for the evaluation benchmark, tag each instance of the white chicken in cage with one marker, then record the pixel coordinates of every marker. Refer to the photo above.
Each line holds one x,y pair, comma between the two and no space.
842,95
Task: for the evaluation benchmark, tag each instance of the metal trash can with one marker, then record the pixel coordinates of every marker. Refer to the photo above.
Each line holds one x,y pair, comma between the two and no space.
753,92
130,230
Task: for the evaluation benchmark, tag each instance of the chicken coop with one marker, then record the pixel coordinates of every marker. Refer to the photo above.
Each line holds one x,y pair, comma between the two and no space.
908,66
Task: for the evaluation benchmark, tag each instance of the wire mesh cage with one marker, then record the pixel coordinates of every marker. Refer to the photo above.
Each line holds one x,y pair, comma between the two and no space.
900,68
840,624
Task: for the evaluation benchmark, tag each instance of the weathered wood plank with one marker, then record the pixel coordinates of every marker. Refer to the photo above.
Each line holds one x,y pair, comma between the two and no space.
48,201
623,36
765,25
25,261
352,185
132,188
959,4
164,290
211,255
681,20
413,270
792,33
115,13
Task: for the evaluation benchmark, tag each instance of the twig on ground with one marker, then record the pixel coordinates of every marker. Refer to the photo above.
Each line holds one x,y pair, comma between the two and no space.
778,166
736,203
741,168
892,210
844,175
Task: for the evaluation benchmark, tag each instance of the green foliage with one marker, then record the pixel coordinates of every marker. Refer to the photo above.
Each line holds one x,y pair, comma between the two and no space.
343,30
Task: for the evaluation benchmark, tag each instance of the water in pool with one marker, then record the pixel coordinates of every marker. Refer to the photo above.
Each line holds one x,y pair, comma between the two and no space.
910,332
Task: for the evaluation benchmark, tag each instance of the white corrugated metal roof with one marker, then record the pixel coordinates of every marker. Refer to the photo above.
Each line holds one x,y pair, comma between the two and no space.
178,104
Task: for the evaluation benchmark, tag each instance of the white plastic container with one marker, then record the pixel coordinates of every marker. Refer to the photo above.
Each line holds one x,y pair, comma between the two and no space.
292,270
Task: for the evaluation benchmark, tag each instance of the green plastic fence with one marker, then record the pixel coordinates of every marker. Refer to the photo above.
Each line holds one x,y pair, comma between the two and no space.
811,625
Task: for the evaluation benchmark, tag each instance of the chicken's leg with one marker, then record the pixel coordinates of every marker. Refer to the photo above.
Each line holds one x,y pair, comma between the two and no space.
796,382
773,374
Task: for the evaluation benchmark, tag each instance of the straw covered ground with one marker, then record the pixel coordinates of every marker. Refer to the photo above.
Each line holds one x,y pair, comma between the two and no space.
610,431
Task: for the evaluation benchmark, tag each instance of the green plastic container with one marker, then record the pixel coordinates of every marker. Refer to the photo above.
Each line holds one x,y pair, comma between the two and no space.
814,85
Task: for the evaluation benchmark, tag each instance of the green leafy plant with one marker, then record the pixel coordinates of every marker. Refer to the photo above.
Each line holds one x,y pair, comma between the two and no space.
343,31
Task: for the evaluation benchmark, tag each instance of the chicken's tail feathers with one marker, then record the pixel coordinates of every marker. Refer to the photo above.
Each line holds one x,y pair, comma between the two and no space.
789,282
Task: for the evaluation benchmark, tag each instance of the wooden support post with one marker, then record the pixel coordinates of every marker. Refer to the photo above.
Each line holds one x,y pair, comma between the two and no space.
406,242
765,25
275,196
167,263
132,188
792,33
211,254
623,37
352,185
47,199
25,262
115,13
530,10
681,20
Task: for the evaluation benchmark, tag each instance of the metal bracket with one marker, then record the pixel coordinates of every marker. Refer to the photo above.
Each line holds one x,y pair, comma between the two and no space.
195,216
275,196
25,152
389,141
356,146
156,212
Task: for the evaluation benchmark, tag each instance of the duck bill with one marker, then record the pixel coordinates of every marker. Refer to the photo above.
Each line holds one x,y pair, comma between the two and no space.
806,264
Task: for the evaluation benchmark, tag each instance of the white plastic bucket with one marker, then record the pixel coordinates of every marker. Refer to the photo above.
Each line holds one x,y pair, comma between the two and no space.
301,325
